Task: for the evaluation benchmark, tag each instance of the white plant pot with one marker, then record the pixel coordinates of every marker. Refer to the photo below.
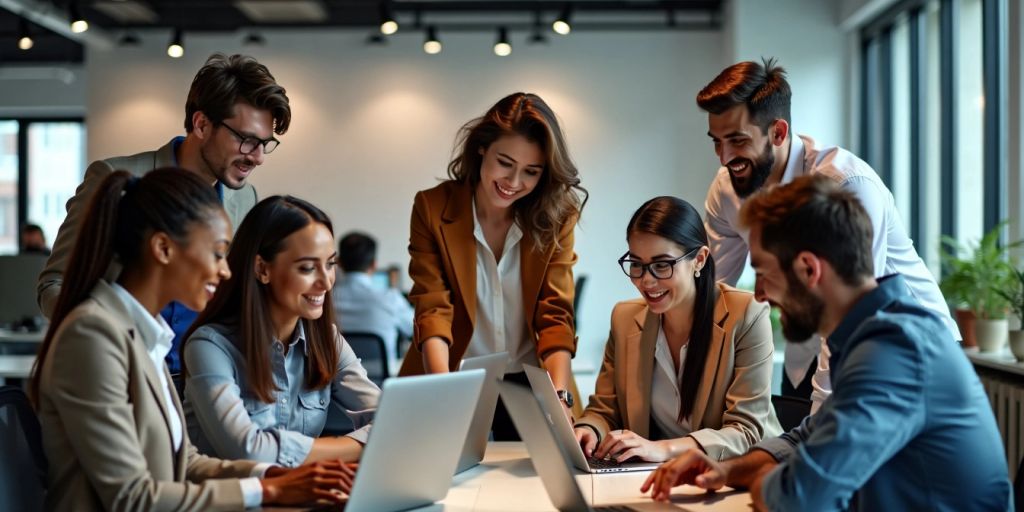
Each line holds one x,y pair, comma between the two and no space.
991,334
1017,344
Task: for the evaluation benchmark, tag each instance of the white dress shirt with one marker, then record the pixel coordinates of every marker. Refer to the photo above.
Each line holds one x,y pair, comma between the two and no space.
665,398
891,246
157,336
499,324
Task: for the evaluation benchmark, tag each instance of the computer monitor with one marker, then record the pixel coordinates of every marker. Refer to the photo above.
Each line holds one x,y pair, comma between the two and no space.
19,273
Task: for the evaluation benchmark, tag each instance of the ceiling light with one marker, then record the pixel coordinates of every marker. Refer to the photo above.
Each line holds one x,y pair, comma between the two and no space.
388,25
78,23
537,35
502,48
561,24
177,47
254,39
432,45
376,39
25,41
129,39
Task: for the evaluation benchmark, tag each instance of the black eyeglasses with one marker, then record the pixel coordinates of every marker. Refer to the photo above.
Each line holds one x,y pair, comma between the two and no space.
660,269
247,144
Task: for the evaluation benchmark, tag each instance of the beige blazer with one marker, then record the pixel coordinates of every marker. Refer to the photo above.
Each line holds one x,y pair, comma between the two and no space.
733,409
104,423
237,203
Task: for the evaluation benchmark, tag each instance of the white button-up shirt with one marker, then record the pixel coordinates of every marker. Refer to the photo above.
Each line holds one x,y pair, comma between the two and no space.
665,397
499,324
891,246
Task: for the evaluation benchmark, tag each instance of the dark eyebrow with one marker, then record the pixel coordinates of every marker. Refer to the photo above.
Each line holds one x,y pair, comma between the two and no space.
730,135
314,258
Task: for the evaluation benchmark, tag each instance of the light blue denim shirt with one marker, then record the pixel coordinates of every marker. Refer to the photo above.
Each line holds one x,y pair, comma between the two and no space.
908,425
227,420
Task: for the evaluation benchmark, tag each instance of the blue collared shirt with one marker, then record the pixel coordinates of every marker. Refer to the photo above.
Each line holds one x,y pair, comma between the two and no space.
226,419
176,314
908,425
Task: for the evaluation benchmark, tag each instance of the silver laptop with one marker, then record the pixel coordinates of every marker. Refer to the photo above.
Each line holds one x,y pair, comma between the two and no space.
544,390
420,425
550,458
480,428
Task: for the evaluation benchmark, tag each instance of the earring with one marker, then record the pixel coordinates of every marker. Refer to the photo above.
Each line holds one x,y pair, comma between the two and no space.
696,273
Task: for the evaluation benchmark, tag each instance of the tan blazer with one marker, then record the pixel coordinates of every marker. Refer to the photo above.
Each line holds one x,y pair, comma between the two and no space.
104,423
443,270
733,409
237,203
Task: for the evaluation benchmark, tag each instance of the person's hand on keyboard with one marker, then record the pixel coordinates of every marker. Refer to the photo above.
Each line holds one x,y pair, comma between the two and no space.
621,445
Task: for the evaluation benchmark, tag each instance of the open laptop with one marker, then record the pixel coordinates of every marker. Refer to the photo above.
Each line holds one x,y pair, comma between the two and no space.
550,458
420,425
480,429
544,390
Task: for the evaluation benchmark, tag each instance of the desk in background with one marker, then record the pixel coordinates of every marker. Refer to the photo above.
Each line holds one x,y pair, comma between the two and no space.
506,481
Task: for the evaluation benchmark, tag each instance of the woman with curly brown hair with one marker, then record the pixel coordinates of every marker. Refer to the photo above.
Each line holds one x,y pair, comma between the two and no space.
492,250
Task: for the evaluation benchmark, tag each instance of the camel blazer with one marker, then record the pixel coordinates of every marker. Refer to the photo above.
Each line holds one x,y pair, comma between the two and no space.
105,428
237,203
733,409
443,270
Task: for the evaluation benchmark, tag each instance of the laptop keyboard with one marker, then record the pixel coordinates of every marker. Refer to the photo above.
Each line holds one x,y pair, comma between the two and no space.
614,508
603,463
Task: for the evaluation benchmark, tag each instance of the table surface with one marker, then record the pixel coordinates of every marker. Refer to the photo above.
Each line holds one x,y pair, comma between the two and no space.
506,481
1002,360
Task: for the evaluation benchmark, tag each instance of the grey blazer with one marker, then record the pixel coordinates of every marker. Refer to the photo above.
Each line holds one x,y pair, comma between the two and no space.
237,203
104,423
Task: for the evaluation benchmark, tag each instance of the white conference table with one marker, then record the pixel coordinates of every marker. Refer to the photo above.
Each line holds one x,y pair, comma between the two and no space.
506,481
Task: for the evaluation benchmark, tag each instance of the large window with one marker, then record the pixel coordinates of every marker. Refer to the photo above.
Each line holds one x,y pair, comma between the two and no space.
41,164
931,107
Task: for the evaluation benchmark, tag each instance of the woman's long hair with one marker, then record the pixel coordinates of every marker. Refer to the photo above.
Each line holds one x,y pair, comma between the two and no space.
243,302
678,221
123,214
557,198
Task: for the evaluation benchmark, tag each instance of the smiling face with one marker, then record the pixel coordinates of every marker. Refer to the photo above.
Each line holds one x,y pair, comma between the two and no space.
801,311
198,265
300,276
743,148
220,148
663,295
511,168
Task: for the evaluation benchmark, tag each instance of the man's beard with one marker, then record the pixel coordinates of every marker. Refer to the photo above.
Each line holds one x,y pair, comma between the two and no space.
803,311
760,169
221,172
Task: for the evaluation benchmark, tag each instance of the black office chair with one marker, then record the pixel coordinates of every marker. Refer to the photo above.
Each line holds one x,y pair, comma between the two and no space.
790,410
22,461
369,347
580,282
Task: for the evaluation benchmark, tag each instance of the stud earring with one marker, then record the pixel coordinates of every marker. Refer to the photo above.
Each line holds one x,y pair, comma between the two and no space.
696,273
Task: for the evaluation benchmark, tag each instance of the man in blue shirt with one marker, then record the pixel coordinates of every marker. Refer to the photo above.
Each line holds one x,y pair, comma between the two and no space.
233,110
908,425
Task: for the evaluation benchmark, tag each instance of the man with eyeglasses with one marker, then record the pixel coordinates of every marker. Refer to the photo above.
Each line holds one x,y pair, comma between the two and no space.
233,111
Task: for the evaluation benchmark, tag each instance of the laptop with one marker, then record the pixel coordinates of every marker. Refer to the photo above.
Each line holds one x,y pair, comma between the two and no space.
420,425
480,429
544,390
550,458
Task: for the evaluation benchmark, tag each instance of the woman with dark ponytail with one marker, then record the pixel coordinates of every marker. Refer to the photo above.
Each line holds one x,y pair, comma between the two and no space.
688,365
113,430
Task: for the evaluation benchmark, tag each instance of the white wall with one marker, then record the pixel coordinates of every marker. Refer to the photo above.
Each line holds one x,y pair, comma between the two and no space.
805,37
373,125
42,91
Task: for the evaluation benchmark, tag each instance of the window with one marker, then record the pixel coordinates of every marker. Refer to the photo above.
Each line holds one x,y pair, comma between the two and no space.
41,165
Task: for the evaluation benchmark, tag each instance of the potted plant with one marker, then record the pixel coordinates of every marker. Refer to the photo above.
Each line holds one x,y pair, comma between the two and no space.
1014,295
956,286
979,281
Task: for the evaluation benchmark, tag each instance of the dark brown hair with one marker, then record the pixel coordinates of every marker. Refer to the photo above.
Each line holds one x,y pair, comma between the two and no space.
224,81
556,200
123,214
357,252
812,213
762,88
244,302
679,222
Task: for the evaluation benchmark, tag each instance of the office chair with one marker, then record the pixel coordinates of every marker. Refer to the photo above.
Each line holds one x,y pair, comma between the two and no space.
22,461
1018,487
370,349
790,410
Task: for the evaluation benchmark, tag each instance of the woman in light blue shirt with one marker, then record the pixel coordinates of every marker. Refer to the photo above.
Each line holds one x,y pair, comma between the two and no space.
264,361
